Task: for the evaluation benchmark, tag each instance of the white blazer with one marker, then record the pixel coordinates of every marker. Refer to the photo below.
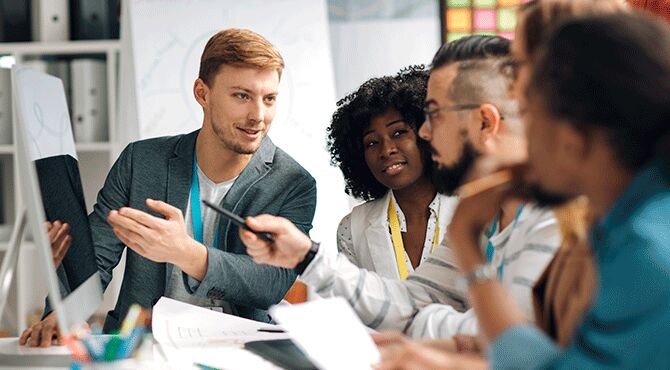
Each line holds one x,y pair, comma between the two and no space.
370,246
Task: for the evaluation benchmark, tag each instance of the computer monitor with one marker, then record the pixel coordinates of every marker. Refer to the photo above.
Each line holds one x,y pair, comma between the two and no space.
51,190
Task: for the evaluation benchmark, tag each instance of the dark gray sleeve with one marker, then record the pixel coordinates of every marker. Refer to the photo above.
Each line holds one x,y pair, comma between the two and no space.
113,195
237,279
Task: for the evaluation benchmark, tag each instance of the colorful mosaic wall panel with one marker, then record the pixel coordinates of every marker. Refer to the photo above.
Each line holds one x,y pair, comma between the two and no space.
481,17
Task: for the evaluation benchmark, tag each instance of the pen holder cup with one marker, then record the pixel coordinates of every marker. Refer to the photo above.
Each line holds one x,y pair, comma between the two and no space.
106,348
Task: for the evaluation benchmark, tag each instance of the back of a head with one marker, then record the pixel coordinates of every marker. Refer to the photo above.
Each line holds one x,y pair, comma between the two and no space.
480,74
537,18
239,48
611,74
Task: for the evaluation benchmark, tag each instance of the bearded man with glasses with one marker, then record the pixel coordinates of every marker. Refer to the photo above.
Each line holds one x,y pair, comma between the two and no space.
521,241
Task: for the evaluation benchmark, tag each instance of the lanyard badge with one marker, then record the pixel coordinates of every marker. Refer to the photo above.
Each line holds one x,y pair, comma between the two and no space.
196,213
396,238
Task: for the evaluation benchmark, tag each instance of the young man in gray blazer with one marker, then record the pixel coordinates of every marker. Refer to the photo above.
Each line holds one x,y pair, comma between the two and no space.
151,200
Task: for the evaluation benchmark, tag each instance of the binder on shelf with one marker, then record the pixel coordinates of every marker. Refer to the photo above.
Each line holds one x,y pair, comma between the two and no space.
3,210
89,100
94,19
2,200
50,20
61,69
36,64
15,21
5,106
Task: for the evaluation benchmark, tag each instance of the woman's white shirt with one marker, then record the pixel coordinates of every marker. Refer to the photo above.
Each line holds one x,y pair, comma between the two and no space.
364,234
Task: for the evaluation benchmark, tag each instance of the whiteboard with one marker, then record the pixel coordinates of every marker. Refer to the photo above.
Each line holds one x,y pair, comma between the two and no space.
161,46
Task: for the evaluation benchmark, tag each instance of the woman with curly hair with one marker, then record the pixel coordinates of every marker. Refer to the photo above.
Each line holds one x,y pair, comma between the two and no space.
373,140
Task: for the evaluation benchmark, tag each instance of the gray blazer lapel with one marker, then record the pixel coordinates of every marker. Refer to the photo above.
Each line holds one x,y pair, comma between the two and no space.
259,165
180,170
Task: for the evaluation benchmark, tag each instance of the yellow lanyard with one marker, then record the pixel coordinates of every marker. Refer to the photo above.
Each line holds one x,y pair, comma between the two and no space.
396,238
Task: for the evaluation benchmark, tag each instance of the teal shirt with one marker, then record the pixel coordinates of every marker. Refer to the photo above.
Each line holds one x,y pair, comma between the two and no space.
628,325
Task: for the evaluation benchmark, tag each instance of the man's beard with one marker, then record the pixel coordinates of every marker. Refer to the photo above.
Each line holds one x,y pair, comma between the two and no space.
448,179
232,145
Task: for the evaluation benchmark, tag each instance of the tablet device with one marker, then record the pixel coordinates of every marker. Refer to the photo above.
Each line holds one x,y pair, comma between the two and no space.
282,352
237,220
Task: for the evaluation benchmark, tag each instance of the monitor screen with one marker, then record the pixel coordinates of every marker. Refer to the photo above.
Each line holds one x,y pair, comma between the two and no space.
51,190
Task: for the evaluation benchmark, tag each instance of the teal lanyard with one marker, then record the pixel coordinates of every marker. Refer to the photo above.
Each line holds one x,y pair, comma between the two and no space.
489,245
196,214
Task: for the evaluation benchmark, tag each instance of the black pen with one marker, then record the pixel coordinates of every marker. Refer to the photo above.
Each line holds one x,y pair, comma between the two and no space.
271,330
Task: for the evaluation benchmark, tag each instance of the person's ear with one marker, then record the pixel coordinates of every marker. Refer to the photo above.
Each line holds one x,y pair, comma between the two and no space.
201,92
489,121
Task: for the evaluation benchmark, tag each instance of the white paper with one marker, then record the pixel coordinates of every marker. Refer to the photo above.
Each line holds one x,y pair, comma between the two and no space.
42,108
182,325
189,334
329,332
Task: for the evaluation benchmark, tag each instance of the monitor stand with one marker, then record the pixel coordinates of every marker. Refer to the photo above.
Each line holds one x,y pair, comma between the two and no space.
10,261
11,353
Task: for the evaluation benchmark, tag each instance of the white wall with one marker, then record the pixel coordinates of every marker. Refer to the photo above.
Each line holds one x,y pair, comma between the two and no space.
372,38
371,48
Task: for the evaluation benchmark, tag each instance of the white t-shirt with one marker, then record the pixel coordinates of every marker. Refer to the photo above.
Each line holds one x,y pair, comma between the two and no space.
210,221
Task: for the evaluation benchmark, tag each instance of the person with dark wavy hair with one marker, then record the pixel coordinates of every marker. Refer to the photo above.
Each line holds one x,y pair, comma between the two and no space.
597,113
373,140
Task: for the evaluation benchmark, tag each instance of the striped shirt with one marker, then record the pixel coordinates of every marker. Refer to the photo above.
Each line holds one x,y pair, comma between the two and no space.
524,249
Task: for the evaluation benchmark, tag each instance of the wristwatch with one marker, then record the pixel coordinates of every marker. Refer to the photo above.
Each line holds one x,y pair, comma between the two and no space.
481,273
311,253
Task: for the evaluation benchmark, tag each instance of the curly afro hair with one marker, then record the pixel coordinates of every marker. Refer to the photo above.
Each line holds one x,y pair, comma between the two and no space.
404,92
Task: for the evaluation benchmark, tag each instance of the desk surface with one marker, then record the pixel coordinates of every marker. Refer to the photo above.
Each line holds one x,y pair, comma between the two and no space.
13,356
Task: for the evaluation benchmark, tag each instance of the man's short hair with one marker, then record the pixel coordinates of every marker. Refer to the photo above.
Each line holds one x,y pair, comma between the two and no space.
240,48
610,74
470,48
480,75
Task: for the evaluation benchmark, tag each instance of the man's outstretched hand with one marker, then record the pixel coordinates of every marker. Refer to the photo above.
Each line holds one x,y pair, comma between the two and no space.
289,247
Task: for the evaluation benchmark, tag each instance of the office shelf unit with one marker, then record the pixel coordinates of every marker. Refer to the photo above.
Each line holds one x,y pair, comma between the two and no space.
95,159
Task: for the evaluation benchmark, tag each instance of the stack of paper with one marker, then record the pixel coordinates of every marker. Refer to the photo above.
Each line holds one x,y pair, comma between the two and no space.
190,334
184,325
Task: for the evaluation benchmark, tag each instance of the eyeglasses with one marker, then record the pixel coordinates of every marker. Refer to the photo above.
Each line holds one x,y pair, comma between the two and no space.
431,112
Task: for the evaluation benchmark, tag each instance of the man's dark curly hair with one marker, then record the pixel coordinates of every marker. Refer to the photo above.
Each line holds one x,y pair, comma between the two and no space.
404,92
